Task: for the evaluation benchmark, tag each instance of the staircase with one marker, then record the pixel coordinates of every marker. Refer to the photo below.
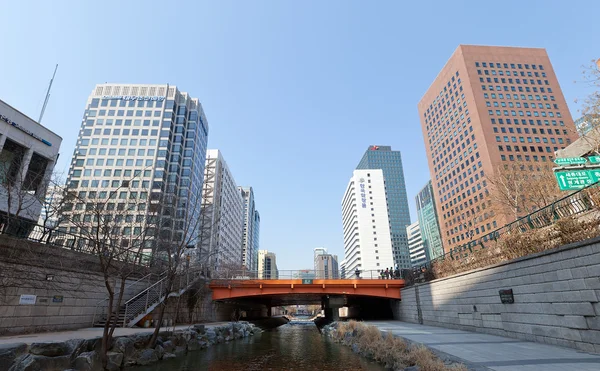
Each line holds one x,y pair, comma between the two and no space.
144,302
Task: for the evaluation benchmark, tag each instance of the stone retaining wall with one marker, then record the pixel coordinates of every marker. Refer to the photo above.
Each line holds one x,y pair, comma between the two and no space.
80,354
556,298
67,286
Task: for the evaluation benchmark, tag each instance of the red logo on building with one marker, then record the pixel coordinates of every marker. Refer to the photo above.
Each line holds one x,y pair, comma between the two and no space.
374,148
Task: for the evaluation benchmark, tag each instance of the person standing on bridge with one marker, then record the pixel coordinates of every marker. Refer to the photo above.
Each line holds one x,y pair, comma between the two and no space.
357,273
387,273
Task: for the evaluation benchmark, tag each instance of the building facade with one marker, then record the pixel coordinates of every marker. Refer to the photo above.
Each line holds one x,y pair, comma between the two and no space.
316,252
222,217
428,222
390,162
28,153
141,153
366,226
488,107
251,230
418,254
267,265
327,266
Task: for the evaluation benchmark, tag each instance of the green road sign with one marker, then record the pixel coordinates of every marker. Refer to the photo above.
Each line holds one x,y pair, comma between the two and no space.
307,281
594,159
576,179
570,161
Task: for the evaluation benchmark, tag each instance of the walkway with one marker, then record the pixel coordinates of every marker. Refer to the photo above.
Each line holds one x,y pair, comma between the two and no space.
488,352
87,333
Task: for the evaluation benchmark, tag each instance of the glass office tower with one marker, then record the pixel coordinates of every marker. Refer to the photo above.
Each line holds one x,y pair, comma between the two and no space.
390,162
143,146
428,222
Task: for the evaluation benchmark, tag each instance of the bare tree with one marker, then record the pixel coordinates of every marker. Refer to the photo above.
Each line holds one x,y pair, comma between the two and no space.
519,188
177,234
115,227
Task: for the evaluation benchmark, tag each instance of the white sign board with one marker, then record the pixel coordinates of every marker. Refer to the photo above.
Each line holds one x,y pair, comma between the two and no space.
27,299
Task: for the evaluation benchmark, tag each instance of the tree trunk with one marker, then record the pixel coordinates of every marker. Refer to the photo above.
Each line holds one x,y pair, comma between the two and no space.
161,315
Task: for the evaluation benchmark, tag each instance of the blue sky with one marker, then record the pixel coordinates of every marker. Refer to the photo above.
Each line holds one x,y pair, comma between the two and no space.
294,91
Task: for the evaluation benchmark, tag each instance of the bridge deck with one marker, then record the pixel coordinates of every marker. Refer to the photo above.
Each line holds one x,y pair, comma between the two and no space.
230,289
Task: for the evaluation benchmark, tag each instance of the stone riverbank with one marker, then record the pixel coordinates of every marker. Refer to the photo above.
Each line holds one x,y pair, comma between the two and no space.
84,354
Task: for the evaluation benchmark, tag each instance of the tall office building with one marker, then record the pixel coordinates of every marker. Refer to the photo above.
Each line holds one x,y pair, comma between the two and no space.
489,106
326,266
418,254
255,239
367,236
251,232
267,265
145,147
429,222
222,217
390,162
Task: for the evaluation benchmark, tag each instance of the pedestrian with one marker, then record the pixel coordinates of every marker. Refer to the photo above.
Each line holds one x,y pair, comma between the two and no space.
382,274
387,273
397,273
357,273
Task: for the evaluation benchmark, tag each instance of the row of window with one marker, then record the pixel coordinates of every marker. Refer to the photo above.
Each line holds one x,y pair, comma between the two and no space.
520,89
123,103
503,80
127,122
514,73
512,65
524,113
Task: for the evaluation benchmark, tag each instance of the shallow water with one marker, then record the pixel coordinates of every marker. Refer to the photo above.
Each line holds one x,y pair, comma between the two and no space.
286,348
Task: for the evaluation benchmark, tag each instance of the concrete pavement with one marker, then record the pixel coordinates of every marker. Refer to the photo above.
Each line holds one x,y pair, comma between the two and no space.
488,352
87,333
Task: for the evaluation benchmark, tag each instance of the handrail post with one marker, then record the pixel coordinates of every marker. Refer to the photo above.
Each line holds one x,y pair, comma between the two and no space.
125,316
147,295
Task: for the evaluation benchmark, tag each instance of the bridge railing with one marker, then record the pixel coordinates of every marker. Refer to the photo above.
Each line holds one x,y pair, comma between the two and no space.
303,275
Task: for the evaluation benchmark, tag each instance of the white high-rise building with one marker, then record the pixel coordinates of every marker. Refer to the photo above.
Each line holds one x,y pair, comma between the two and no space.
222,217
140,154
418,255
367,239
250,241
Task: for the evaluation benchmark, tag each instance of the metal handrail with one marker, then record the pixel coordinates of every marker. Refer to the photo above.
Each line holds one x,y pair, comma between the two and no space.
98,304
304,274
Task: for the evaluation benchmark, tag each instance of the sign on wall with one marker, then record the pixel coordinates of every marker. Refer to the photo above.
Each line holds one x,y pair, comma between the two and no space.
133,97
27,300
26,131
363,194
57,299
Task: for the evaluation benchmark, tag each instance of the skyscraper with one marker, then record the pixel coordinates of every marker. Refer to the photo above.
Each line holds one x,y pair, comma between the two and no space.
366,226
143,146
390,162
251,230
428,222
418,254
222,216
488,107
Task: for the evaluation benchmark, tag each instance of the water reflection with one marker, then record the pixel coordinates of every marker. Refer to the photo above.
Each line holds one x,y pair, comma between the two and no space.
289,347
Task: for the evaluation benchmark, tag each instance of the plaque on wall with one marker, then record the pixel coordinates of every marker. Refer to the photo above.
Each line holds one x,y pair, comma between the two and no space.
506,296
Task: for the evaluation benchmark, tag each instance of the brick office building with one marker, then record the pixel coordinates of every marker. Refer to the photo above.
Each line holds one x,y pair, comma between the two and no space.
489,106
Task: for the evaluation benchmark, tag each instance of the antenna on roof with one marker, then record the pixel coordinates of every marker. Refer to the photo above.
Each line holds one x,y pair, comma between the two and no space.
47,95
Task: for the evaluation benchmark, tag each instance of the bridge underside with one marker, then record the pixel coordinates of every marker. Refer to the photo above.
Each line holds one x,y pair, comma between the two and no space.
365,299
